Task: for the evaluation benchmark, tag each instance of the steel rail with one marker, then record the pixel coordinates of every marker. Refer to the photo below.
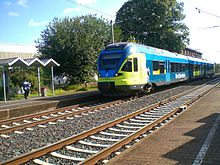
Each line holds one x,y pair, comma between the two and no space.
115,147
50,111
17,119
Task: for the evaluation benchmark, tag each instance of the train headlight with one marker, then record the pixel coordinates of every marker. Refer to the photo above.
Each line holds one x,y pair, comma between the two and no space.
118,74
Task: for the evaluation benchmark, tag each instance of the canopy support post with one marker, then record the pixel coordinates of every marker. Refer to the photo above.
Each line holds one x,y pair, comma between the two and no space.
52,80
38,79
4,85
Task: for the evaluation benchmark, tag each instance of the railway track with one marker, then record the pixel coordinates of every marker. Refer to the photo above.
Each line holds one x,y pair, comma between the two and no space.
98,143
39,119
28,121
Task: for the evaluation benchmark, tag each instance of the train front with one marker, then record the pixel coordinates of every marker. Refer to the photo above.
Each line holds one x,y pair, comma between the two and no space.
118,70
109,62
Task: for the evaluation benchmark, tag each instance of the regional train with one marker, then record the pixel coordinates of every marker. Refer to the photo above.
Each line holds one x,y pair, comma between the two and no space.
133,68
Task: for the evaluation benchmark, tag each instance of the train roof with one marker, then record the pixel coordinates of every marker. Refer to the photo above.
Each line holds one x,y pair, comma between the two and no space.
151,50
147,49
200,60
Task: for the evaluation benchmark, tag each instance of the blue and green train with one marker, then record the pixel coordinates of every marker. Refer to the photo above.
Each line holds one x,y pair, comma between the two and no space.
134,68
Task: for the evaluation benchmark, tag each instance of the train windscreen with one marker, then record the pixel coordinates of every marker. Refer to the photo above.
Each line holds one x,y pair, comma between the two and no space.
110,61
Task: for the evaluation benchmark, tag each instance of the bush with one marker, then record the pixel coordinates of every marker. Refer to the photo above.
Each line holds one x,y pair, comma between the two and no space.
82,89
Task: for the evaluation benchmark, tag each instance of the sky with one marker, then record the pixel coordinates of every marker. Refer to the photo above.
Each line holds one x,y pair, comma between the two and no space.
21,21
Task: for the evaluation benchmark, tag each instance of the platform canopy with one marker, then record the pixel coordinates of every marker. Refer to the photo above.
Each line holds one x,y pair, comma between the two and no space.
30,62
13,62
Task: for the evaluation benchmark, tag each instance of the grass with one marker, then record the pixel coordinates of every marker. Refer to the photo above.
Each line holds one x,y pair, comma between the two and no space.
71,89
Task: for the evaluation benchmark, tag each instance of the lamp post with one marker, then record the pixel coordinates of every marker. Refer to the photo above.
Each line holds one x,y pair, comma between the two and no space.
113,38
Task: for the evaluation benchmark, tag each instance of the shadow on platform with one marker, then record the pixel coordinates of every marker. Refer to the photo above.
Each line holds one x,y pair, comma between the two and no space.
187,153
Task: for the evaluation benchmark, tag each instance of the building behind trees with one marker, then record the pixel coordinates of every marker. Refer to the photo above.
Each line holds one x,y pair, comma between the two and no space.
17,50
192,53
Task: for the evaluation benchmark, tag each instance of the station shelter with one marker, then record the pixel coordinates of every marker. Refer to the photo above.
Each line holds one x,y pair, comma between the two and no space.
5,64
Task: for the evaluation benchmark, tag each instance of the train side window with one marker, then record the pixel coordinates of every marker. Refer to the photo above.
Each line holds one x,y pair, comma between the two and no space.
155,65
180,67
197,67
127,66
184,67
135,61
191,67
176,67
172,67
161,65
187,66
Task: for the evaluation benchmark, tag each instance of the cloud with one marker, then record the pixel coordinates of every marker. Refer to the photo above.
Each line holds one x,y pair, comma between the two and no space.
32,23
68,11
22,3
85,2
13,14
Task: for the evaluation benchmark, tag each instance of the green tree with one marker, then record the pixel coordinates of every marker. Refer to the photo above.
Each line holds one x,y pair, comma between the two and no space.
19,74
75,43
155,23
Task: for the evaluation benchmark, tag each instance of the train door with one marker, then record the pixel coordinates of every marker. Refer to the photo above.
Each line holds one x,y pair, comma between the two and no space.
139,69
167,71
144,69
135,70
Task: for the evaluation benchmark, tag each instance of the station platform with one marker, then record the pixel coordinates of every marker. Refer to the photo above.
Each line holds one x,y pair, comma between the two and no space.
21,107
192,138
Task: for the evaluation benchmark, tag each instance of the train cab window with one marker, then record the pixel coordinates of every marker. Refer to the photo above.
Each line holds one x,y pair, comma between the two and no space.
110,61
127,66
135,61
155,65
161,67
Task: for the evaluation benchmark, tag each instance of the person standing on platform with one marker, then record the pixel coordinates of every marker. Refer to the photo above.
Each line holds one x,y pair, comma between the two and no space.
26,87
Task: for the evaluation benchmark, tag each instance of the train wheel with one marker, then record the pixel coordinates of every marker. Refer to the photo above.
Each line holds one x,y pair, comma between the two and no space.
148,88
153,87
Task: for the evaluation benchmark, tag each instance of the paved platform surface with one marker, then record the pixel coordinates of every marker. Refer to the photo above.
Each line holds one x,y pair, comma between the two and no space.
32,105
193,137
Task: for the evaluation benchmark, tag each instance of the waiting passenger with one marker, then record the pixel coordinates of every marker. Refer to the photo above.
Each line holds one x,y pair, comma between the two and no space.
26,87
